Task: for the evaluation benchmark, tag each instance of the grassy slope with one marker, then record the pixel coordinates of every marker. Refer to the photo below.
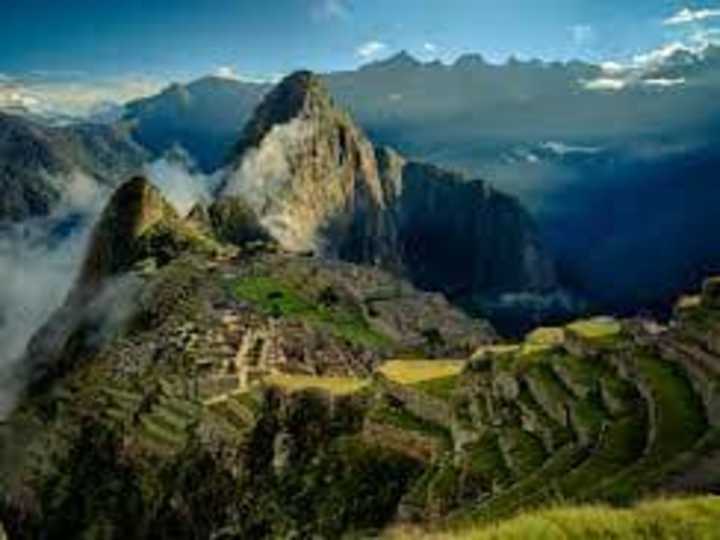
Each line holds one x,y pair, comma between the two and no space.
282,298
418,371
334,385
686,519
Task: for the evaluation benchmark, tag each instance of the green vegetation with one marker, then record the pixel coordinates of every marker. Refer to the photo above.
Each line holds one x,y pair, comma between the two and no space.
282,299
411,372
524,452
680,414
485,461
580,373
335,385
399,417
622,443
443,388
680,519
596,329
546,336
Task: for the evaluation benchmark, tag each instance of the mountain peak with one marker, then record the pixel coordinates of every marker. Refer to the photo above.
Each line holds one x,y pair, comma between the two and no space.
301,94
470,61
135,207
401,60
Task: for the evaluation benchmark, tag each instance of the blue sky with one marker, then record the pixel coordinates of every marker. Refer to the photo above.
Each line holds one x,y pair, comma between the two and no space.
148,41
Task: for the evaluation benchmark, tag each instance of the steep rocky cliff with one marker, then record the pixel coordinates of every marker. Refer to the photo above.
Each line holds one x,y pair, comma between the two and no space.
319,186
311,174
462,236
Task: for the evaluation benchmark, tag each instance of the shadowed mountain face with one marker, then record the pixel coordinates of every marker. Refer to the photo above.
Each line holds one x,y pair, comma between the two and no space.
318,185
41,166
205,117
549,134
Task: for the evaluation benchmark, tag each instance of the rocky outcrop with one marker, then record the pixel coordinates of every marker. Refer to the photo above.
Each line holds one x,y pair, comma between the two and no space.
311,175
234,221
318,185
464,237
135,208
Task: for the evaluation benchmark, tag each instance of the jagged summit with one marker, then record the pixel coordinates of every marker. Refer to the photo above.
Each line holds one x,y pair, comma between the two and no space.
301,94
317,184
135,207
309,173
401,60
470,61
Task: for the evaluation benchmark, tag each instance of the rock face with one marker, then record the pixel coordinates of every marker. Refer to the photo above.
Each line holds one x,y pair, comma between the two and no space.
463,237
311,175
234,221
135,208
318,185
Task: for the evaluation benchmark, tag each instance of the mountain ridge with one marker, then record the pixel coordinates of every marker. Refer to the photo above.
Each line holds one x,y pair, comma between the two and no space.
314,180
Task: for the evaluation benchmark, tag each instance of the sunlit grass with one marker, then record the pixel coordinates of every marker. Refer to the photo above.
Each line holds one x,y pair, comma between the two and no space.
495,350
335,385
597,328
679,519
546,336
689,302
283,299
416,371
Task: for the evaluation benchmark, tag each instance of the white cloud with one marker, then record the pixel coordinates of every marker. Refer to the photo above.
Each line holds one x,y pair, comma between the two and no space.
613,68
664,83
370,49
582,34
703,37
687,15
75,98
330,9
563,149
649,68
605,83
660,55
182,186
264,180
226,72
38,267
430,48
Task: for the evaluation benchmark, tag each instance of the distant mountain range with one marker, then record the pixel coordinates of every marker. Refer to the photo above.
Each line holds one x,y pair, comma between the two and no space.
42,166
207,377
616,162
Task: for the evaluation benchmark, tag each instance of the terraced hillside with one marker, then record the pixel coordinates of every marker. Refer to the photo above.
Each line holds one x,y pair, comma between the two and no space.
208,391
605,413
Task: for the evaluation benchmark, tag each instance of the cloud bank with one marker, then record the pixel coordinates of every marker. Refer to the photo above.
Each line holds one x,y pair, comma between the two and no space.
71,95
39,260
687,16
263,179
181,184
370,49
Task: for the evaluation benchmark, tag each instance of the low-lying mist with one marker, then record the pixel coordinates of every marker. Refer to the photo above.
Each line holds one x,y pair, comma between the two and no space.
41,257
